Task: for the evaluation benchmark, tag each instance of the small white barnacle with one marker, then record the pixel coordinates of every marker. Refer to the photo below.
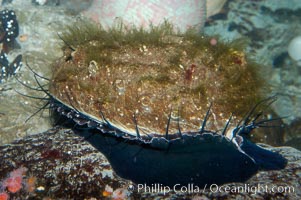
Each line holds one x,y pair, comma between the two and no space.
40,189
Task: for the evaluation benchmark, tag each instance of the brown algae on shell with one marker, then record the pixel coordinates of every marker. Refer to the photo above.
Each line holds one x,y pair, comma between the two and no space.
153,74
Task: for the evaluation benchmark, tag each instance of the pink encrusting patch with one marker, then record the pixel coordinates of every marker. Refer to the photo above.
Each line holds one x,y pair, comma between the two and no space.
4,196
14,182
18,172
182,14
213,41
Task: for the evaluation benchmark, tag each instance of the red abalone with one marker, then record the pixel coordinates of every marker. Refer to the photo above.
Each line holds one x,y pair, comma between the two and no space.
142,99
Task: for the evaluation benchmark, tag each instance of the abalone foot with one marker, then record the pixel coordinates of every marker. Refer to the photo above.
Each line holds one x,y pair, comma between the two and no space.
198,158
265,159
195,159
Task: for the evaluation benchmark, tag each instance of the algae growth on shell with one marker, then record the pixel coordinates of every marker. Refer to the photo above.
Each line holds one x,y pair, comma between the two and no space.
153,74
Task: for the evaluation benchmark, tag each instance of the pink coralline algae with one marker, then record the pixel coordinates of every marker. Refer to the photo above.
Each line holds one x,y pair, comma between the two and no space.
4,196
118,194
182,13
14,182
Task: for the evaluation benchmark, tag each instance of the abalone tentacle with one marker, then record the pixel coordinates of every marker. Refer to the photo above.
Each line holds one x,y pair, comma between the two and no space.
265,159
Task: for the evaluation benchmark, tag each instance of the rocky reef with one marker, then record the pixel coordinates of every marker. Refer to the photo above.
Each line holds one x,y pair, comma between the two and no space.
65,166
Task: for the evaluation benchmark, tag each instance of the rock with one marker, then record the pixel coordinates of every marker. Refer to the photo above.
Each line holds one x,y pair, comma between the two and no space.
66,166
265,25
182,14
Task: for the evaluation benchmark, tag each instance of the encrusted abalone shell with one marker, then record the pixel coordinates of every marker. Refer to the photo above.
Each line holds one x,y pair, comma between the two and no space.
153,75
144,98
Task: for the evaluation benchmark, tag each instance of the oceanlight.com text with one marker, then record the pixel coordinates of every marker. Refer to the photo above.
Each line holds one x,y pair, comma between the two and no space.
214,188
